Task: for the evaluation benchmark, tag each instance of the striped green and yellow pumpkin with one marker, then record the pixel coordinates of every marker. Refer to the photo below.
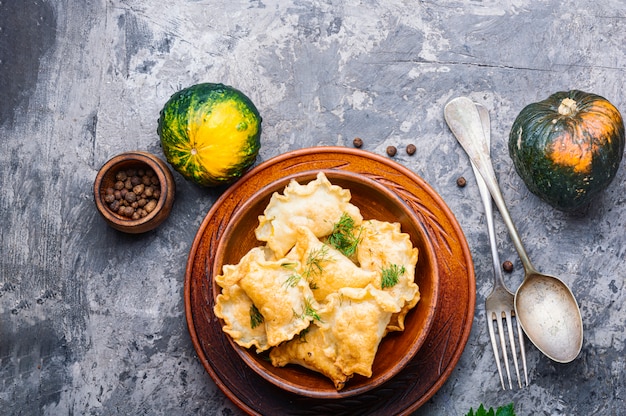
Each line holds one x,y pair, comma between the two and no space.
568,147
210,133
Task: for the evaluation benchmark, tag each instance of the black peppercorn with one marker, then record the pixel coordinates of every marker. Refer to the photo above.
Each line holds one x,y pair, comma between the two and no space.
135,193
461,182
115,205
391,150
357,142
507,266
150,206
410,149
138,189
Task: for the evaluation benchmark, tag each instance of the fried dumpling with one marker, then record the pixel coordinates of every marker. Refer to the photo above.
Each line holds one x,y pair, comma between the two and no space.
282,299
238,313
383,247
326,269
345,339
307,350
232,273
318,205
281,296
354,322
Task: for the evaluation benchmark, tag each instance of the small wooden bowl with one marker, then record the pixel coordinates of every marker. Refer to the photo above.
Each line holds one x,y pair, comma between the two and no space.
398,348
135,160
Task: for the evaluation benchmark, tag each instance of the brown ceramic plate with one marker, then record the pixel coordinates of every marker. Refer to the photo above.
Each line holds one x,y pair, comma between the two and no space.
432,364
375,201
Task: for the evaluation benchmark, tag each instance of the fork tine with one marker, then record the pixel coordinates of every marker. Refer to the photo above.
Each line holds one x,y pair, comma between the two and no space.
505,355
494,347
509,325
520,336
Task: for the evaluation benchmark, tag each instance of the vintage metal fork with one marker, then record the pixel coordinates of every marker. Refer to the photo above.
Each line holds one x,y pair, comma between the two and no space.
499,305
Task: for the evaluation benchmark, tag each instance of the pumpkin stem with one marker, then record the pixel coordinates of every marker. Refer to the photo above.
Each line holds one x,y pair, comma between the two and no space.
567,107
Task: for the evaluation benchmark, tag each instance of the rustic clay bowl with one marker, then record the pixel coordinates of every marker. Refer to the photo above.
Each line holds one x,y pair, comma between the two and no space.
397,348
135,160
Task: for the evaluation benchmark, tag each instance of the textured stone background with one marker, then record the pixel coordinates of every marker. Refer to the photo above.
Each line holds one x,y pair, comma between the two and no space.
92,320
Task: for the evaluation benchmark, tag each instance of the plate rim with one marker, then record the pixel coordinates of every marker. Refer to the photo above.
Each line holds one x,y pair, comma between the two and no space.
334,152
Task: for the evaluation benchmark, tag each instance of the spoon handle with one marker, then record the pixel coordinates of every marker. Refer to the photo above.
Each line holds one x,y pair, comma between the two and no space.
463,119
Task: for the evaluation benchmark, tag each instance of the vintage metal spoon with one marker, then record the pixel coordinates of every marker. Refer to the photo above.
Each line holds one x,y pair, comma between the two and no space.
544,305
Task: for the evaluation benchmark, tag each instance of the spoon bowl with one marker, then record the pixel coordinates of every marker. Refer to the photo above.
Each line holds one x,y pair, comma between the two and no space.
545,306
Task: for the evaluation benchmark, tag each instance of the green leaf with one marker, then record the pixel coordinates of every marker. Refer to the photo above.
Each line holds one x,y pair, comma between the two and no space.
391,275
507,410
256,318
344,238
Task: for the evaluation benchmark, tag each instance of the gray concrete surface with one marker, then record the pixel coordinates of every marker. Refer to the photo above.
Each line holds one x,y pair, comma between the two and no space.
92,320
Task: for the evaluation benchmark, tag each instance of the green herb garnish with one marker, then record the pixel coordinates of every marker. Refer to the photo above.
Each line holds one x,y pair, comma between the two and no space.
308,311
501,411
391,275
256,318
345,237
313,265
289,265
302,335
293,279
315,260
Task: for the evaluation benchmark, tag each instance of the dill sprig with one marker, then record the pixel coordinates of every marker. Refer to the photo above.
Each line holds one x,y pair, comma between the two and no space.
302,335
391,275
289,265
345,236
294,278
314,261
256,318
308,310
314,265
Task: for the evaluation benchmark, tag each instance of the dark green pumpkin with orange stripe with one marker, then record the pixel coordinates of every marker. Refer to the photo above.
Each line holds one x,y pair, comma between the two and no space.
568,147
210,133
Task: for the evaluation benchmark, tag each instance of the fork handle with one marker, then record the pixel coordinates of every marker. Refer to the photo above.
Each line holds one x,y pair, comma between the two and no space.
463,119
485,196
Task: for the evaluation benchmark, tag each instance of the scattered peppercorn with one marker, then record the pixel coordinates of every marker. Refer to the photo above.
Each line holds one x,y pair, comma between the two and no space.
507,266
391,150
135,193
461,182
410,149
357,142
